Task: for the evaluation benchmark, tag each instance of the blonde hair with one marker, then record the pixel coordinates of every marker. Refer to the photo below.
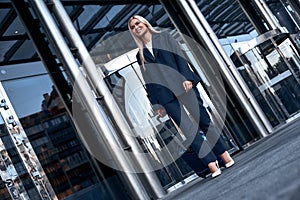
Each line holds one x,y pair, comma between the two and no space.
137,40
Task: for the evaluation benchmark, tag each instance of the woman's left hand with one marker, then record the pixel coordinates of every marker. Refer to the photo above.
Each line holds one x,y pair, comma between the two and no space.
187,85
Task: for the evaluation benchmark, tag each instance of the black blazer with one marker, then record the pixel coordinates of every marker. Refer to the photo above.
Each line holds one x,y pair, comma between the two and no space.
165,72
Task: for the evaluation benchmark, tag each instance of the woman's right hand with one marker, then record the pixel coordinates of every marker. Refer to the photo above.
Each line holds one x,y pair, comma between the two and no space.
187,85
161,112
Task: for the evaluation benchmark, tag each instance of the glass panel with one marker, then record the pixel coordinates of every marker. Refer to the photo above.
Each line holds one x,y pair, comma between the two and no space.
281,79
53,138
51,132
4,45
3,13
127,86
102,23
255,72
17,90
290,91
162,140
271,71
26,50
88,13
16,28
113,12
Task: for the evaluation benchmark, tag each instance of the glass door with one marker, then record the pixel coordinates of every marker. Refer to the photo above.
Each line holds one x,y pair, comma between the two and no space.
271,70
114,52
161,139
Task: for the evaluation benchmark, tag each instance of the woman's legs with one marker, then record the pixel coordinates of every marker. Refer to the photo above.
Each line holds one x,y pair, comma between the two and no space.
194,104
205,123
199,144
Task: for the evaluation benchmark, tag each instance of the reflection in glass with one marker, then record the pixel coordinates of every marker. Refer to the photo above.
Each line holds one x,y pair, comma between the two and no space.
125,80
54,139
154,134
271,71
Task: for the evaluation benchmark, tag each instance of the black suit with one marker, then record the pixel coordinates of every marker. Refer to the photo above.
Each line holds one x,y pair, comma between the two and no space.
164,73
166,70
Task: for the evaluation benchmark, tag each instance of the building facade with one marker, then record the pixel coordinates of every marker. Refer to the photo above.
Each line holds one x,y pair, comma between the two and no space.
76,119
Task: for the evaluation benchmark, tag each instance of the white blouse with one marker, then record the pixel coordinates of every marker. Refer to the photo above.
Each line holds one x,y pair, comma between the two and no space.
149,47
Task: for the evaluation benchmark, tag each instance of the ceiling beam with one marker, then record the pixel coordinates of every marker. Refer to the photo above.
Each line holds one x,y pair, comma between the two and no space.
5,5
9,54
20,61
108,2
14,37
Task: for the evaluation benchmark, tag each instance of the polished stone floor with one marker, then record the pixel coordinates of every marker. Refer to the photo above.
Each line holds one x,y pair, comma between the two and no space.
267,170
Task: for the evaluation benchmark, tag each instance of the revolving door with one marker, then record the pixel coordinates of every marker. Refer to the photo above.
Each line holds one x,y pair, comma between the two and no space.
270,66
159,137
106,132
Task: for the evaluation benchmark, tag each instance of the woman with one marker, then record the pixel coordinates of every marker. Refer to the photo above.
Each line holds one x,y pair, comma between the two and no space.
171,84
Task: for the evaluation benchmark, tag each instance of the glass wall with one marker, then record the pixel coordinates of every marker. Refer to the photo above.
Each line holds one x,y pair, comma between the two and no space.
114,52
154,134
160,138
73,172
270,66
54,140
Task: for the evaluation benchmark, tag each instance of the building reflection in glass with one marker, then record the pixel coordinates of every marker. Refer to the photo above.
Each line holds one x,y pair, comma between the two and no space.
65,160
270,67
71,171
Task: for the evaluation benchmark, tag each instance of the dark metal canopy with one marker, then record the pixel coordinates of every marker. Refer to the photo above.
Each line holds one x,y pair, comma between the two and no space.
97,19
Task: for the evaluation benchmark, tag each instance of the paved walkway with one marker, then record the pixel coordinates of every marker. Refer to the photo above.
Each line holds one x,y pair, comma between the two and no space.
267,170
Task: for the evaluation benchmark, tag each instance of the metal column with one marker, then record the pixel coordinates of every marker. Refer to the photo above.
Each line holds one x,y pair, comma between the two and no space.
253,16
100,87
270,19
227,67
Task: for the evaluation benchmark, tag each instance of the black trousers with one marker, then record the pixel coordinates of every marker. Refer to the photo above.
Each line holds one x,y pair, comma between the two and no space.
196,128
